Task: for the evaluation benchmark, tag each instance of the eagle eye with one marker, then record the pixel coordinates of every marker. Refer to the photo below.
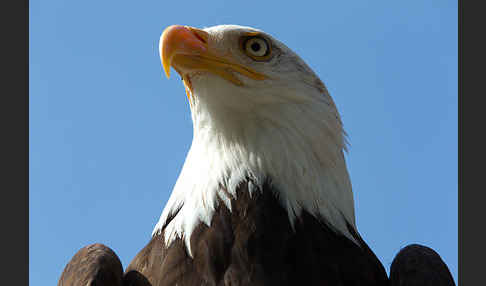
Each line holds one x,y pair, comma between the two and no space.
256,47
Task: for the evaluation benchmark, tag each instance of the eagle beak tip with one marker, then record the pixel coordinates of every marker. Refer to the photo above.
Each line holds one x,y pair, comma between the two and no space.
166,66
167,72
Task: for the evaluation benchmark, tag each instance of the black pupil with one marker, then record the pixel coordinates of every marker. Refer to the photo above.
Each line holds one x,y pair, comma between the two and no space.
255,47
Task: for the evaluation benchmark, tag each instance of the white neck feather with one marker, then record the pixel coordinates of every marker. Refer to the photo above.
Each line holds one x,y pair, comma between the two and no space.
297,142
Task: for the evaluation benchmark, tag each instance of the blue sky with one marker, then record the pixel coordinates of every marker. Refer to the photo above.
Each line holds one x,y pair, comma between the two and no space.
109,133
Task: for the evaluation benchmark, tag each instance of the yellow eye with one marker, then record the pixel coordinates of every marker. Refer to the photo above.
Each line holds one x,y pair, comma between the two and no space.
256,48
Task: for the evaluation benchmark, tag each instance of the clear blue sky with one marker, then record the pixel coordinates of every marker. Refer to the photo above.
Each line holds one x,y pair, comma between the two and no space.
109,134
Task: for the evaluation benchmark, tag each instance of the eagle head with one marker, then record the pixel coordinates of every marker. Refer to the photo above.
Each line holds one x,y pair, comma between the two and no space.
258,112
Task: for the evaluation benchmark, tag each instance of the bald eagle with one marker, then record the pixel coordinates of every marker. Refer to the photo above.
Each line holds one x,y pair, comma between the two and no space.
264,196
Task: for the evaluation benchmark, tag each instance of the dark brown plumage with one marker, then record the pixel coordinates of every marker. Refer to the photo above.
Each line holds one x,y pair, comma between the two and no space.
95,264
255,245
418,265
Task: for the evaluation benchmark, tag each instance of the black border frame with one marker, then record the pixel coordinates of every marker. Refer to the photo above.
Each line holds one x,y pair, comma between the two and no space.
471,195
14,119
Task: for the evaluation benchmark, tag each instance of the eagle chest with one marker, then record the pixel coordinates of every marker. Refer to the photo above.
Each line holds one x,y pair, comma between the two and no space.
255,244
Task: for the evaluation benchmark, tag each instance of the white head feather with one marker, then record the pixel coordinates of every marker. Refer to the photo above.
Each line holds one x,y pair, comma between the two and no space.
285,128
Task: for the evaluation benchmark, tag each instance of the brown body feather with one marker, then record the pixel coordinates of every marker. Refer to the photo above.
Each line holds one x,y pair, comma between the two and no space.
254,244
95,264
418,265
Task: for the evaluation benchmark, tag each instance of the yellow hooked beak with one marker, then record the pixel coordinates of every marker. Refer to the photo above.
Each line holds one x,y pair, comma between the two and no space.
186,50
